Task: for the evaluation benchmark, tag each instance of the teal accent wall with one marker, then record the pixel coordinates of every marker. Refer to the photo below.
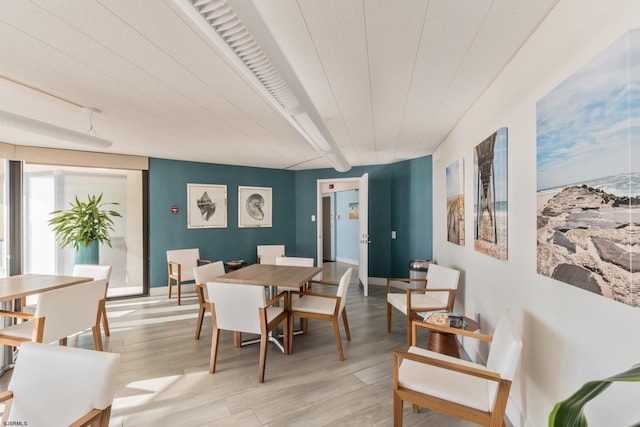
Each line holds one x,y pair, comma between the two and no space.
168,181
400,198
412,213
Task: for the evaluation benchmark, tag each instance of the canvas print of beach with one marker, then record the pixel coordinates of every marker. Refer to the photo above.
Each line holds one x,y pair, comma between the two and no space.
455,202
588,182
490,195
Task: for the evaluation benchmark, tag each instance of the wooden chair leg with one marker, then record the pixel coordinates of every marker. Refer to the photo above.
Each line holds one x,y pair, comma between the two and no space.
263,356
201,311
397,410
389,317
408,328
346,323
291,319
63,341
215,336
336,332
179,291
97,336
237,339
305,325
169,286
105,321
286,333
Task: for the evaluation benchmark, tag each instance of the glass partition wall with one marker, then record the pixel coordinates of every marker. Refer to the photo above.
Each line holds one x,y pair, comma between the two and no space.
48,188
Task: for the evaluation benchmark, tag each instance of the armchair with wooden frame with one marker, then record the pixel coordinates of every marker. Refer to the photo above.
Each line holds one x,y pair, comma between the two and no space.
243,308
60,386
322,306
203,274
59,314
456,387
180,264
267,254
439,293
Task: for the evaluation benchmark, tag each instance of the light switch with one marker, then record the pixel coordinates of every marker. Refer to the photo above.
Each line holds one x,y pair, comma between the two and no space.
313,218
393,234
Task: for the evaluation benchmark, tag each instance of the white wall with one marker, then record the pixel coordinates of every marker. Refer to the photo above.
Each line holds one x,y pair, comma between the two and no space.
570,336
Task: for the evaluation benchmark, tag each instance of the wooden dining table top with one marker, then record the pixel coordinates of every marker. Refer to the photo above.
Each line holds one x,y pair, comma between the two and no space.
271,275
23,285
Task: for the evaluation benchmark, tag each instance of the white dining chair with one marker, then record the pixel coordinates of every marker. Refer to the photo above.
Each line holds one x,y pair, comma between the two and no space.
438,293
97,272
60,386
267,254
325,307
203,274
180,264
59,314
243,308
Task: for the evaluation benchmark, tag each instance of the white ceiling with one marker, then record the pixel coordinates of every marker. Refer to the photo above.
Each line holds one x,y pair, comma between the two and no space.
389,78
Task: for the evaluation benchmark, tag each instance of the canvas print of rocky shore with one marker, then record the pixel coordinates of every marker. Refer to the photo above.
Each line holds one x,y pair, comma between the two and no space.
490,195
455,202
588,179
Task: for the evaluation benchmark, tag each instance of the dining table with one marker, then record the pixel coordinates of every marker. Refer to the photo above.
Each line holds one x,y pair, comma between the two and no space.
271,276
14,288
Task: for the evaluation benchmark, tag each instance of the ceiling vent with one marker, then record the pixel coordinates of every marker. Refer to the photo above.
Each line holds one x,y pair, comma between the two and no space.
237,30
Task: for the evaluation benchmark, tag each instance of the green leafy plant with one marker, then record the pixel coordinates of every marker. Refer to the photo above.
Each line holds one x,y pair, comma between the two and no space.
84,222
569,412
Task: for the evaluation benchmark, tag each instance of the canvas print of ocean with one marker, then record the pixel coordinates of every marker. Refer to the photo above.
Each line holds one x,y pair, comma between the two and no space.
588,178
455,202
490,195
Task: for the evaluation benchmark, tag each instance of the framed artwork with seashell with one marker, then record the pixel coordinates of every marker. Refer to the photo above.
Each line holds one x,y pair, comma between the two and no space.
206,206
254,206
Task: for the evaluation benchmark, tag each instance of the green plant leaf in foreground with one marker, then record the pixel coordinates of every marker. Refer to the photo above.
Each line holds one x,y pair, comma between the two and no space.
569,412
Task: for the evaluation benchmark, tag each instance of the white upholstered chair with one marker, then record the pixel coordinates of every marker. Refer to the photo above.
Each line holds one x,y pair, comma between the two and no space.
59,314
60,386
203,274
243,308
295,262
439,294
267,254
180,264
97,272
326,307
456,387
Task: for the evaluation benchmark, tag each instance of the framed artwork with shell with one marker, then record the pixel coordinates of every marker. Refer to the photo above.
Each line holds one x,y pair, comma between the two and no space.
206,206
254,206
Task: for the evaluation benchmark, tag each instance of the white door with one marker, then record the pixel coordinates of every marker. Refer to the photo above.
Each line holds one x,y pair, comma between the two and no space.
363,207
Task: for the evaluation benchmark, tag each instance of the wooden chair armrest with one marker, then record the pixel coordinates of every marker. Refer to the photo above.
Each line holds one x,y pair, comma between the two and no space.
174,267
6,395
87,419
323,282
446,364
277,298
17,314
203,261
415,324
314,294
403,279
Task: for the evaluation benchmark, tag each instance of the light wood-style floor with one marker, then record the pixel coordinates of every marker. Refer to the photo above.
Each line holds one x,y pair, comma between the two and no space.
164,375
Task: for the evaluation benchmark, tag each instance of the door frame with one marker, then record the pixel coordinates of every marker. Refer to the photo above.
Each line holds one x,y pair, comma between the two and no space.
319,219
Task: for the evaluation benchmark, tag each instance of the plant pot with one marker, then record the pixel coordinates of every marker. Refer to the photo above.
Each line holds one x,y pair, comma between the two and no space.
87,254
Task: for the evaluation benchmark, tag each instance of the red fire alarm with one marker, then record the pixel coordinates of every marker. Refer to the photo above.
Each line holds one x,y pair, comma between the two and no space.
174,209
330,186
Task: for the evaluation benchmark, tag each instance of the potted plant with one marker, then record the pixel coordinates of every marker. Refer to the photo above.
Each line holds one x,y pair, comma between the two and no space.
569,412
83,226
